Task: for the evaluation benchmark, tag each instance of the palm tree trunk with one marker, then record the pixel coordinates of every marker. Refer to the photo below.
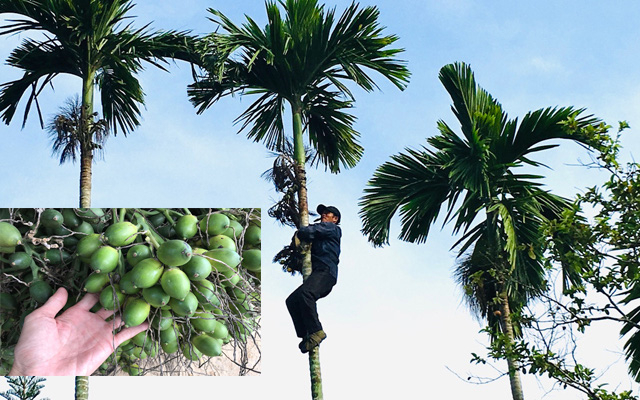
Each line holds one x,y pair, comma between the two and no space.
513,365
301,177
82,387
86,161
86,152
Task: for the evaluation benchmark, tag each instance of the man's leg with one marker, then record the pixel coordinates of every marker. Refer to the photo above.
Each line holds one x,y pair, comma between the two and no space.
318,285
302,307
293,305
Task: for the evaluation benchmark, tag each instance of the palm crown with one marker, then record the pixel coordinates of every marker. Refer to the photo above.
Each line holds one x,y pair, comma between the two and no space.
304,59
473,173
88,39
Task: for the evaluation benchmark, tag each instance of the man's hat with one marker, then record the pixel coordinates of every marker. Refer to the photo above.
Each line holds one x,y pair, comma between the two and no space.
326,209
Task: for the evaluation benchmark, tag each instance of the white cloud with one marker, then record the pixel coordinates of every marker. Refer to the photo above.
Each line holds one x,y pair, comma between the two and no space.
545,65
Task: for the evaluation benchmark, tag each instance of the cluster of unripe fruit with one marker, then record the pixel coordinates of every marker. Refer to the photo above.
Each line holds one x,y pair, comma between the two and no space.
194,274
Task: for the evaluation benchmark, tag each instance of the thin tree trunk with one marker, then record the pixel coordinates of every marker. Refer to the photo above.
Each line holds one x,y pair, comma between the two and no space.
82,387
86,152
514,371
86,161
300,160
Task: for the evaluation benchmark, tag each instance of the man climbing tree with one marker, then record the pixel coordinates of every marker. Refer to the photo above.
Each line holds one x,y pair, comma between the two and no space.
325,251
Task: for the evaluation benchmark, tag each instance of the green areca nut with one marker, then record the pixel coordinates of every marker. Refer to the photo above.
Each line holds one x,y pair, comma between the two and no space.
104,260
9,235
174,253
175,283
135,312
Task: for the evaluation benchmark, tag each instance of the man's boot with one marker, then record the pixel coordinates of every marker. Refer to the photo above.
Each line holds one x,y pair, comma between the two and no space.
312,341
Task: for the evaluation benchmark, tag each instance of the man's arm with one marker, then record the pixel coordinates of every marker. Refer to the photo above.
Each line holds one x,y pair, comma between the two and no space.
321,230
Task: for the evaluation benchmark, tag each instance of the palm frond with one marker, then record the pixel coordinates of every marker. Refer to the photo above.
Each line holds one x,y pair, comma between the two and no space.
206,90
38,16
132,47
473,173
473,106
467,163
412,184
474,273
41,62
481,274
632,345
120,96
541,125
330,130
358,43
264,117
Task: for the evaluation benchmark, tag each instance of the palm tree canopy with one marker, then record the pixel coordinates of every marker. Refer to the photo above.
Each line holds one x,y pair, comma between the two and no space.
86,38
473,170
304,57
473,174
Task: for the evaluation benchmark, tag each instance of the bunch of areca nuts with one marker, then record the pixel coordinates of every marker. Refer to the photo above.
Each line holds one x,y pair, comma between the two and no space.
193,273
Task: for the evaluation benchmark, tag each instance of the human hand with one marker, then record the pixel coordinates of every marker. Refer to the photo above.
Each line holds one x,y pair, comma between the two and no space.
296,241
74,343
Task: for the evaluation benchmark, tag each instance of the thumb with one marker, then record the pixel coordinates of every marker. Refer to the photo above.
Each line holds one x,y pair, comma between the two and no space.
54,304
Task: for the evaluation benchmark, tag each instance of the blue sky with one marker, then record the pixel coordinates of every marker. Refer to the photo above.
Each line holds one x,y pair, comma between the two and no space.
395,322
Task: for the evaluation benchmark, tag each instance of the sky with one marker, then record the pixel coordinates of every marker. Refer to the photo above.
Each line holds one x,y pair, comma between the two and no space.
396,325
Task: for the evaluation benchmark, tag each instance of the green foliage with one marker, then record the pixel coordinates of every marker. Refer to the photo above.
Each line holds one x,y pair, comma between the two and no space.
23,388
91,40
599,262
605,252
545,362
469,171
302,57
474,174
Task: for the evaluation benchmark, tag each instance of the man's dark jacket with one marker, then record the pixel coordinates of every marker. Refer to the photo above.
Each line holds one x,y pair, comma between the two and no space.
325,246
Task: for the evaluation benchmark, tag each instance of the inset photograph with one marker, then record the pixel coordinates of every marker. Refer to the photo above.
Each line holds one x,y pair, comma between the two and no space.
130,291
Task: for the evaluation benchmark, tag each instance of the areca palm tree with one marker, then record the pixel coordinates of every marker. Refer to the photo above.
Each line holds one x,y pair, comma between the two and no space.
472,175
88,39
302,59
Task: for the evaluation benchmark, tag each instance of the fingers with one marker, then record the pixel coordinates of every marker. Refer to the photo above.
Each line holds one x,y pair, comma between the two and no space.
128,333
88,301
117,321
54,304
104,313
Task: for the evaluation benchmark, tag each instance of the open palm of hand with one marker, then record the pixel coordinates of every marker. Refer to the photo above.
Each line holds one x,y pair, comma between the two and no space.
74,343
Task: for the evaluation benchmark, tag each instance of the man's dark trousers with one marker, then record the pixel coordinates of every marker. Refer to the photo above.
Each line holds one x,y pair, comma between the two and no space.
302,302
